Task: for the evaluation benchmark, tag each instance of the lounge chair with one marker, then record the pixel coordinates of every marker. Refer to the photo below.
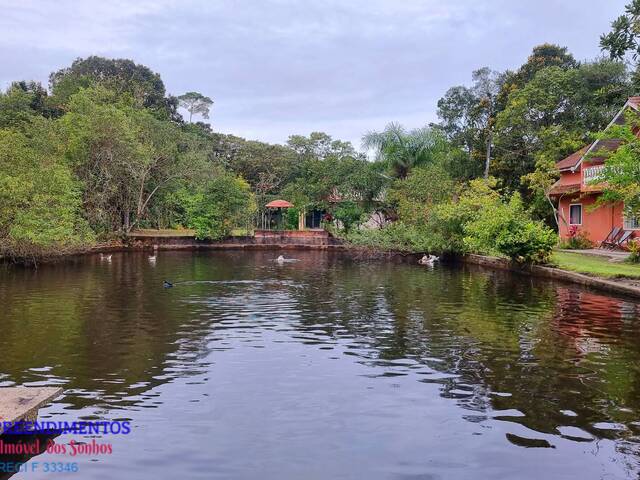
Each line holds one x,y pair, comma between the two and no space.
609,241
626,235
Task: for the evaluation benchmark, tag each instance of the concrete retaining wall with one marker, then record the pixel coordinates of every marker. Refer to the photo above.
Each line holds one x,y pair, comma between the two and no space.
554,273
292,239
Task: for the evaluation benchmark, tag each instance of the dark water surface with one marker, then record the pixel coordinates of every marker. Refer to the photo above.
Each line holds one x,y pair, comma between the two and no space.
326,368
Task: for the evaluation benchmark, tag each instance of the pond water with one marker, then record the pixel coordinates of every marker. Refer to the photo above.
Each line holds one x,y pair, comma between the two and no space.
326,368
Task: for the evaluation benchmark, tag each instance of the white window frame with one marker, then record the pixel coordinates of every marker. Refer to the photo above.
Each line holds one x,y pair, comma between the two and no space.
626,226
581,213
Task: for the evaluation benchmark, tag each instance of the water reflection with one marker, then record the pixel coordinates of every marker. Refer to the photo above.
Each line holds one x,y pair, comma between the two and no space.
320,365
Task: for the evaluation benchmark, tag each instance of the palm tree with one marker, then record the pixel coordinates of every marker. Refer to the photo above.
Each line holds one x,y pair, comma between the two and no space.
402,150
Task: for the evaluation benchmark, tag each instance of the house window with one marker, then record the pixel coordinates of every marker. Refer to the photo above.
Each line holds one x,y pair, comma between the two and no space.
575,214
631,223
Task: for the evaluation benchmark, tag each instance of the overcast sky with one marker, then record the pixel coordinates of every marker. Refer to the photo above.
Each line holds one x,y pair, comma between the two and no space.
279,67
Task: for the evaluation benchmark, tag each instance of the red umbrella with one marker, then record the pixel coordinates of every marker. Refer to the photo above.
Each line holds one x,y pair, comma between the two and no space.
279,204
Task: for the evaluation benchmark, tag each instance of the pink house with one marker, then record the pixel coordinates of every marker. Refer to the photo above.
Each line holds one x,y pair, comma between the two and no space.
575,193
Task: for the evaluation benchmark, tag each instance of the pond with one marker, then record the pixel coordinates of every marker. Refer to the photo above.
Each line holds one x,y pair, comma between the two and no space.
326,367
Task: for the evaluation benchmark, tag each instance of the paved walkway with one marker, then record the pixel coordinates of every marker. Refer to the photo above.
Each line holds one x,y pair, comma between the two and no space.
613,255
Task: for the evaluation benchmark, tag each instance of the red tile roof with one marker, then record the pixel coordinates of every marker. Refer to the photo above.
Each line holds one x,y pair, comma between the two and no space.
572,160
562,189
607,145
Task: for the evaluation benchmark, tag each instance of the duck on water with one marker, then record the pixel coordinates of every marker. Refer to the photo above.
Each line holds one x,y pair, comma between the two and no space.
428,260
281,260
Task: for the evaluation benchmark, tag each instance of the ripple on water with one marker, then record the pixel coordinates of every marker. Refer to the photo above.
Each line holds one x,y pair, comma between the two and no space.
349,361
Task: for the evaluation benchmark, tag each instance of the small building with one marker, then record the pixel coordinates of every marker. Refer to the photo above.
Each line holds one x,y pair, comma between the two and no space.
576,195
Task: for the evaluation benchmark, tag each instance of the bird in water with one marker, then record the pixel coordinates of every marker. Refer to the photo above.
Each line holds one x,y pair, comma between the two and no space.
153,258
428,260
106,258
280,259
166,284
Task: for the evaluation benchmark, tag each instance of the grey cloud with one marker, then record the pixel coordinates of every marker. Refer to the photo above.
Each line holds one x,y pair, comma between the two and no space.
280,67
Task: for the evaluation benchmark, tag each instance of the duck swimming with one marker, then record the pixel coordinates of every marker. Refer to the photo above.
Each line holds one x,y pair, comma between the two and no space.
166,284
104,257
428,260
280,259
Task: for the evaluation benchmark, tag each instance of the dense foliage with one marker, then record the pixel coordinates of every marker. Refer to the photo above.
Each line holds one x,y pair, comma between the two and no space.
104,150
622,169
214,208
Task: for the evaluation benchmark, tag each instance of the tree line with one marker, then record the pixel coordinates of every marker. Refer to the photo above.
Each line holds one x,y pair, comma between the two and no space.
478,180
103,149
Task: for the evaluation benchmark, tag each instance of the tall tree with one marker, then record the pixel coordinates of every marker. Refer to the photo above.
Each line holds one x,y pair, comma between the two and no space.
124,156
577,102
468,114
195,103
320,145
122,76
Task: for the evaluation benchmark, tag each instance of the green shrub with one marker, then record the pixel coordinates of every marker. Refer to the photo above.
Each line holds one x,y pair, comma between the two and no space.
505,228
478,220
634,248
349,213
213,210
576,240
291,218
449,219
415,196
579,241
396,236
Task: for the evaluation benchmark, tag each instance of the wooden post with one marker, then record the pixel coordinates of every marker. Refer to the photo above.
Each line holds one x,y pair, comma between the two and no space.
301,215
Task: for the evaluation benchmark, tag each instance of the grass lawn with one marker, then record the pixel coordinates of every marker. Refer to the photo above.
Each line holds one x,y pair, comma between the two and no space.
593,265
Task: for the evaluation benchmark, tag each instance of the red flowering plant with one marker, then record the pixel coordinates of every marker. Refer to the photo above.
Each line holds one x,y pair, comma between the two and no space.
573,231
576,240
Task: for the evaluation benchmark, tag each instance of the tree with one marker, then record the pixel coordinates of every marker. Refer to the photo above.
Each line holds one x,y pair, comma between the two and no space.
349,213
621,175
457,117
402,150
579,101
197,103
319,145
124,156
557,144
266,167
624,36
217,206
39,197
415,196
122,76
320,182
326,172
468,114
543,56
15,108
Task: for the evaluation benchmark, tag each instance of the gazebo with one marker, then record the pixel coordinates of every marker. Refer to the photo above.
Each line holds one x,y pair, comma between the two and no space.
277,206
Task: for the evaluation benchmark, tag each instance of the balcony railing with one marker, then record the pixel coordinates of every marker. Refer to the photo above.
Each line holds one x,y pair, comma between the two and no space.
592,174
